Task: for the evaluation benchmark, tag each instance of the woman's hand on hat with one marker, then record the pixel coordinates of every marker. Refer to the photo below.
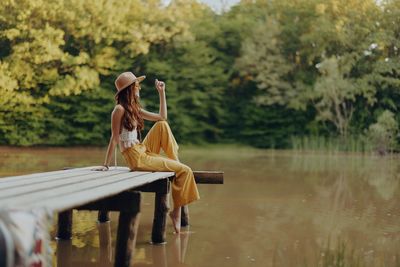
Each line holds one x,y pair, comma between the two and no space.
160,86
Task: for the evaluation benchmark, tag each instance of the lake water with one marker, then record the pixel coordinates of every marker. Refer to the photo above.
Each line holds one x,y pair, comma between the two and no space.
276,208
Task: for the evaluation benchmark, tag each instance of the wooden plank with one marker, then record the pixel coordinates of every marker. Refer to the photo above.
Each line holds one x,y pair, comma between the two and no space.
56,191
39,177
81,196
46,179
209,177
7,179
56,183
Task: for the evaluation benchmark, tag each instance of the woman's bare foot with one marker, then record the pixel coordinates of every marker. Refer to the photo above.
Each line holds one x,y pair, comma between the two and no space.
176,220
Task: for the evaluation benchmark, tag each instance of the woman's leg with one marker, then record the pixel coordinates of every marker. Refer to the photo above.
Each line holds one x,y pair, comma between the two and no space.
184,189
160,136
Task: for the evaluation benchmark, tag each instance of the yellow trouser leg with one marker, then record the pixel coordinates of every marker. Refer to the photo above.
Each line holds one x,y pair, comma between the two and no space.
160,136
184,189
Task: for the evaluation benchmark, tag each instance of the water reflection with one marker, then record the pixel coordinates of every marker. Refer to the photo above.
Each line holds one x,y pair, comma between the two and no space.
276,208
172,254
67,258
148,255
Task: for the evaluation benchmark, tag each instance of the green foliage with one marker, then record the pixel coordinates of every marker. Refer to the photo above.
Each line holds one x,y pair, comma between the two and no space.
382,134
262,61
80,120
55,51
334,95
270,73
195,83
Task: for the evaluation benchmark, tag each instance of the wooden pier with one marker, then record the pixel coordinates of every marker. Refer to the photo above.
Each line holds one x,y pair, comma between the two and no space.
118,189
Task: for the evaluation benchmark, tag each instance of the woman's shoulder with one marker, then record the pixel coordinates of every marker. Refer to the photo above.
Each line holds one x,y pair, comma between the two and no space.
119,107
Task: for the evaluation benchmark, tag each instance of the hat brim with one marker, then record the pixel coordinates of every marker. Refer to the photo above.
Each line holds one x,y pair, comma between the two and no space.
139,79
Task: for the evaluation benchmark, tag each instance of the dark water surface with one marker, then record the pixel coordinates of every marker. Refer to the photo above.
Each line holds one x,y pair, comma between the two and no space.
276,208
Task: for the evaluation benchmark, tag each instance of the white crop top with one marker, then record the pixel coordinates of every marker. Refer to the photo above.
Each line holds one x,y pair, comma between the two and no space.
128,138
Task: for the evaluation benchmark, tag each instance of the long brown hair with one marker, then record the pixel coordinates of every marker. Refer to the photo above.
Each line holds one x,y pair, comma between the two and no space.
130,101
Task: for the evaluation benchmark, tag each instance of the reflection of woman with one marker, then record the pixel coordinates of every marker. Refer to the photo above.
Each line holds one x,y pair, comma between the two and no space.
127,120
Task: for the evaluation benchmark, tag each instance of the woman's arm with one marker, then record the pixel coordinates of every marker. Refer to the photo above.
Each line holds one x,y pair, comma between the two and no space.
116,117
162,113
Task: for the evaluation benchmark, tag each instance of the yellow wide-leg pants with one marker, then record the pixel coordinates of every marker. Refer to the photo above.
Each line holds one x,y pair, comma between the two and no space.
146,157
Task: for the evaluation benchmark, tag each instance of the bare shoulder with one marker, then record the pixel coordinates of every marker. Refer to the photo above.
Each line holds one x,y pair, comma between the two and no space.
118,112
119,109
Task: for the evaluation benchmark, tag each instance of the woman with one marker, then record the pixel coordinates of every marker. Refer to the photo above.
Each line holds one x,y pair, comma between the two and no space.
127,119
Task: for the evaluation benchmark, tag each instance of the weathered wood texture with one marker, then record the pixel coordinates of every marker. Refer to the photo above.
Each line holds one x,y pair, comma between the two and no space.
82,188
67,189
209,177
128,204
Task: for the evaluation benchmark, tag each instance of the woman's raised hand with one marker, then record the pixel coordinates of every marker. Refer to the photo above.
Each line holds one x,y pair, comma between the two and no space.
160,86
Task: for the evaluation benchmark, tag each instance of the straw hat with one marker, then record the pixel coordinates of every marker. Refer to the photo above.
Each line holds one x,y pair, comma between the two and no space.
125,79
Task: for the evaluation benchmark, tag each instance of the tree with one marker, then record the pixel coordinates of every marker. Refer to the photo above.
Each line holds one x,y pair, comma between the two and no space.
53,50
382,134
195,81
334,96
262,62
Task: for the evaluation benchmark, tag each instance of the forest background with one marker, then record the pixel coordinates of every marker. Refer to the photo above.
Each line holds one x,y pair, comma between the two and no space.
268,73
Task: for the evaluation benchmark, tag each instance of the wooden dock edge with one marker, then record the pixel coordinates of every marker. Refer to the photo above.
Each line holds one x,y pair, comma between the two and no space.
209,177
201,177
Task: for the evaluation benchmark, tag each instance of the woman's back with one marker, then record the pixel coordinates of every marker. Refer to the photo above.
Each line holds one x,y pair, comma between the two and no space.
128,138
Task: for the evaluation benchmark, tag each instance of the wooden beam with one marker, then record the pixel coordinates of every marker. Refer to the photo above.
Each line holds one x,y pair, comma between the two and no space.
114,203
209,177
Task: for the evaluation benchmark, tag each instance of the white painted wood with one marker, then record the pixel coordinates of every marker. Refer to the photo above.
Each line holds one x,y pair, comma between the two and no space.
78,198
47,181
56,182
4,180
101,187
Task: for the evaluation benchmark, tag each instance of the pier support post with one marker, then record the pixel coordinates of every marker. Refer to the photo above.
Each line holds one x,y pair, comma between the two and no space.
103,216
128,205
161,208
65,225
184,216
126,234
